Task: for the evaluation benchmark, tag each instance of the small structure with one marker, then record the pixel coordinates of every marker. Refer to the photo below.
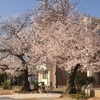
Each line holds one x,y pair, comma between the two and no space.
52,77
33,78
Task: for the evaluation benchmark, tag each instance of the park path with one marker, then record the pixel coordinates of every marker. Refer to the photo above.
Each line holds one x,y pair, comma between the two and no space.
44,96
25,96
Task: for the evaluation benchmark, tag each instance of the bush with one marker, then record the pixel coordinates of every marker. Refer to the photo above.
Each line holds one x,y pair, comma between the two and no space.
79,81
6,84
1,78
90,79
80,95
36,86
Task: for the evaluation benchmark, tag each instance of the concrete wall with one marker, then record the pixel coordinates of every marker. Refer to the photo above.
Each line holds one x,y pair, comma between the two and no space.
93,92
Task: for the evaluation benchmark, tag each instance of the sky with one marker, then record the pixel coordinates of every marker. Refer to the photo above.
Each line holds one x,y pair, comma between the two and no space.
12,7
91,7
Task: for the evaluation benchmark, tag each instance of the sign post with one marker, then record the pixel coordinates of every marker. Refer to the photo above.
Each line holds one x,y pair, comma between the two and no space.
32,87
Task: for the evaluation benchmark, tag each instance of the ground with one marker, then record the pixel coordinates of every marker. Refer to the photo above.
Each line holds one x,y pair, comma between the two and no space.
61,99
4,92
10,91
29,99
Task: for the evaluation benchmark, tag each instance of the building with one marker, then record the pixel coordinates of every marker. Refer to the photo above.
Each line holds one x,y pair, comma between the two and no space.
56,77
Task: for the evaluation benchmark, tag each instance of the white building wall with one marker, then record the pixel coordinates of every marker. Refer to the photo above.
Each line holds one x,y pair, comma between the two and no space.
90,73
39,77
95,75
47,81
54,75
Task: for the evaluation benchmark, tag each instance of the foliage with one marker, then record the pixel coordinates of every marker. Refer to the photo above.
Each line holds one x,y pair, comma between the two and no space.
90,79
15,44
79,96
1,78
66,37
36,86
6,84
79,81
54,33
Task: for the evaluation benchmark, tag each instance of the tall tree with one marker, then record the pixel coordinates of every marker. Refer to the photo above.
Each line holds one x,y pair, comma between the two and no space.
68,38
16,40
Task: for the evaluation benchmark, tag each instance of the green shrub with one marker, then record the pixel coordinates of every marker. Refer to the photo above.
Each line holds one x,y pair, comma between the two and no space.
1,78
80,95
79,82
6,84
90,79
36,86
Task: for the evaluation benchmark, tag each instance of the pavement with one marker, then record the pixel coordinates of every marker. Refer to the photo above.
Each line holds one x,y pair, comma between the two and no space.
26,96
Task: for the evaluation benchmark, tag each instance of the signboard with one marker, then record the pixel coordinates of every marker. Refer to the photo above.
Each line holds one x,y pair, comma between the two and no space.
32,87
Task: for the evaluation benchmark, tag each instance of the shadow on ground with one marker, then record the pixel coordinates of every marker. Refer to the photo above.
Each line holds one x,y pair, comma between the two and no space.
6,98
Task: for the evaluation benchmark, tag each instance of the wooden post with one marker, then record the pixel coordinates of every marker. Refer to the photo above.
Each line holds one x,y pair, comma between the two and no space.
41,88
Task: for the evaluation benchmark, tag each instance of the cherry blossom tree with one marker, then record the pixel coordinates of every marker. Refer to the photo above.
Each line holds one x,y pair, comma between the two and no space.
54,33
16,43
68,38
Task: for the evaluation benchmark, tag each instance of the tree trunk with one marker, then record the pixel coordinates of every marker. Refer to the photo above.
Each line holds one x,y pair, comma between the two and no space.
71,89
26,85
5,76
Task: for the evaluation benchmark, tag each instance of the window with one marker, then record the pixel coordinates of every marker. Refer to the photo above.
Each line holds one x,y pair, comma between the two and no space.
99,31
65,73
45,75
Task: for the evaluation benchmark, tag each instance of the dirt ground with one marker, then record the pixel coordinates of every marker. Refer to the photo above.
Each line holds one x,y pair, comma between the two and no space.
93,98
10,91
62,99
4,92
29,99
